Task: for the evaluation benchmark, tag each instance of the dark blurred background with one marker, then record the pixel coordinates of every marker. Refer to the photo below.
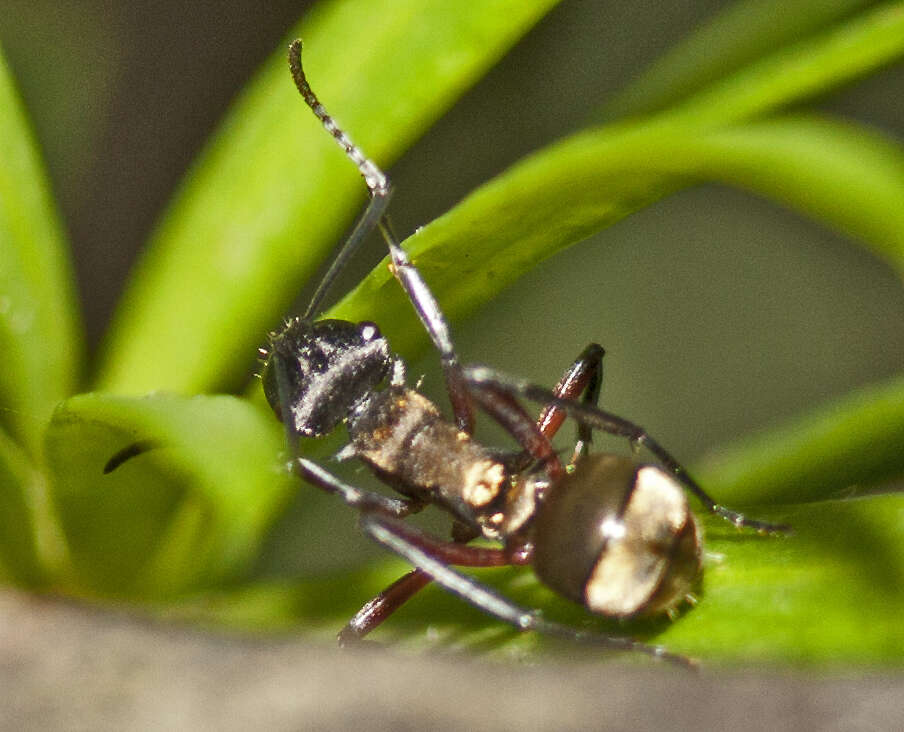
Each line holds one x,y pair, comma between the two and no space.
721,313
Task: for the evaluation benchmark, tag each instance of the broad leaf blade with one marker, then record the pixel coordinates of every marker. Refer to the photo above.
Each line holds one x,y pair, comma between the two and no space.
271,194
832,594
19,559
190,511
852,442
39,329
829,596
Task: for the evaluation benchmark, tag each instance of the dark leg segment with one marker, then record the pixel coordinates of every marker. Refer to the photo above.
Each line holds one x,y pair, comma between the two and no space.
452,552
354,497
506,410
584,376
435,324
393,597
382,606
393,535
482,379
369,617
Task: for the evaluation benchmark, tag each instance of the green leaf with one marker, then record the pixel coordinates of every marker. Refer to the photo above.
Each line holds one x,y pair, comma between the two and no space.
831,595
590,180
189,511
736,36
39,330
843,175
271,194
853,441
18,549
850,49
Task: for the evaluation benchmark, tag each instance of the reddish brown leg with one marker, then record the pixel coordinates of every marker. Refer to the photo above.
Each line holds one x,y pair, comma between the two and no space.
435,559
399,592
486,381
382,606
584,376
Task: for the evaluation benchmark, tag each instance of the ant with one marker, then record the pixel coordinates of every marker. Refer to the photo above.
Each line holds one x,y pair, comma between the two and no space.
612,534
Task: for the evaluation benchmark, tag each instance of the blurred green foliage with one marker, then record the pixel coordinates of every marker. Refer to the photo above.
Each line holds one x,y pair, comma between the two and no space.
181,527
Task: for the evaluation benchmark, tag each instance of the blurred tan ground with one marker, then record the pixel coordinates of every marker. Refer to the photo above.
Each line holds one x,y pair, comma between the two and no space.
68,667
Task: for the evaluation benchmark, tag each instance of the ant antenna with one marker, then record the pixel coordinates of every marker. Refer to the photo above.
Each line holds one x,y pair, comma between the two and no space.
377,183
405,272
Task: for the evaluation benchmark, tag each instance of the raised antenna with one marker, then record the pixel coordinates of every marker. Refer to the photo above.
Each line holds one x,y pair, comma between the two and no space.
377,183
405,272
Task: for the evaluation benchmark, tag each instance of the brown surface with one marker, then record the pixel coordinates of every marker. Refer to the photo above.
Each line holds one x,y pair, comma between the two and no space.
70,667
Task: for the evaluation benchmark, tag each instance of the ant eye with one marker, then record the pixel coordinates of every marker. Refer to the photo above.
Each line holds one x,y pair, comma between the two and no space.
369,331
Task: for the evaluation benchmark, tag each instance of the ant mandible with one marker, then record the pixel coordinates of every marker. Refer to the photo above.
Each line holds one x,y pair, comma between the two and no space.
612,534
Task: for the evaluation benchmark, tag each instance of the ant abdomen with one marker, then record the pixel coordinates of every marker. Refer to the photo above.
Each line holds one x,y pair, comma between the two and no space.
618,537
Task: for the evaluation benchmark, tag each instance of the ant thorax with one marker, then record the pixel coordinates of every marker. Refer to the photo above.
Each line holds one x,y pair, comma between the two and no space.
405,440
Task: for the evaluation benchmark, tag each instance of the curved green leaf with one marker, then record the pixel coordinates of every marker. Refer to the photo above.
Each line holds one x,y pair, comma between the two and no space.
846,176
39,329
18,549
829,596
850,49
840,174
189,511
854,441
590,180
271,194
736,36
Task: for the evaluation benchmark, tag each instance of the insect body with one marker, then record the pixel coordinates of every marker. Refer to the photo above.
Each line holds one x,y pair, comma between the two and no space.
607,532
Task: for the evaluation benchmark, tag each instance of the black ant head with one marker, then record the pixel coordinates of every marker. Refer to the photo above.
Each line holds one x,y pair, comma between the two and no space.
315,373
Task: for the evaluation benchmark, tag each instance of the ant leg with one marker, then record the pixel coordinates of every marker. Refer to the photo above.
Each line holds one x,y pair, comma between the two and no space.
431,559
583,377
484,380
393,597
374,612
405,272
405,541
354,497
436,325
508,412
